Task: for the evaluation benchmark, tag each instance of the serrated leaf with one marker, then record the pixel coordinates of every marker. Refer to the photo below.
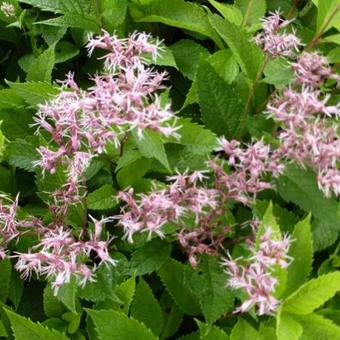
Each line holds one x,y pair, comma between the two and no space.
328,15
178,13
195,137
172,276
287,327
312,294
67,295
102,198
17,288
113,325
252,10
301,250
21,154
225,65
146,308
317,327
113,12
247,54
151,146
211,332
10,99
300,187
65,51
150,257
41,68
242,330
53,307
187,54
125,292
219,102
26,329
278,72
83,21
34,92
102,288
208,283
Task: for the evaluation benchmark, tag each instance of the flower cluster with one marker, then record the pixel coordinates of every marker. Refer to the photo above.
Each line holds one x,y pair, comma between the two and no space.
7,9
256,277
274,42
197,203
309,135
59,256
151,212
82,123
247,168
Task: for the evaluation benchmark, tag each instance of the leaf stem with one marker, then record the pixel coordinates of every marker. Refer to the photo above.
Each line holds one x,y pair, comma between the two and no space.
246,14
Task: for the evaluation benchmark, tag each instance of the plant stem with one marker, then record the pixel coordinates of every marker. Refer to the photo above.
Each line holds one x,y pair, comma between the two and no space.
322,30
251,93
246,15
98,12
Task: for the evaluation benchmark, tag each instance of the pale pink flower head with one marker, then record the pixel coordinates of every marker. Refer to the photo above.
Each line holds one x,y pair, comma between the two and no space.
274,41
312,69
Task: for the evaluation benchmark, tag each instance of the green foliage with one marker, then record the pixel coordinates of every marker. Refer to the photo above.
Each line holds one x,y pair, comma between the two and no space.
243,330
172,274
300,187
26,329
146,308
110,324
312,294
102,198
247,54
208,283
41,68
301,252
150,257
220,106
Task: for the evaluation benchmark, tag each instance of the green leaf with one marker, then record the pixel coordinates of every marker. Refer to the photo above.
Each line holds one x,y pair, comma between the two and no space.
102,288
5,270
146,308
133,172
21,154
317,327
208,283
34,92
15,123
26,329
9,99
67,295
312,294
225,65
113,12
102,198
172,276
62,6
211,332
242,330
195,137
41,68
300,187
278,72
83,21
252,10
229,12
326,18
16,291
334,55
177,13
53,307
151,146
125,292
113,325
301,250
248,55
65,51
287,327
219,102
187,54
150,257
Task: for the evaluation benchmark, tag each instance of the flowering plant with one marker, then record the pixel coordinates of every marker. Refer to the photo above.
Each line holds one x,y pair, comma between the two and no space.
169,170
